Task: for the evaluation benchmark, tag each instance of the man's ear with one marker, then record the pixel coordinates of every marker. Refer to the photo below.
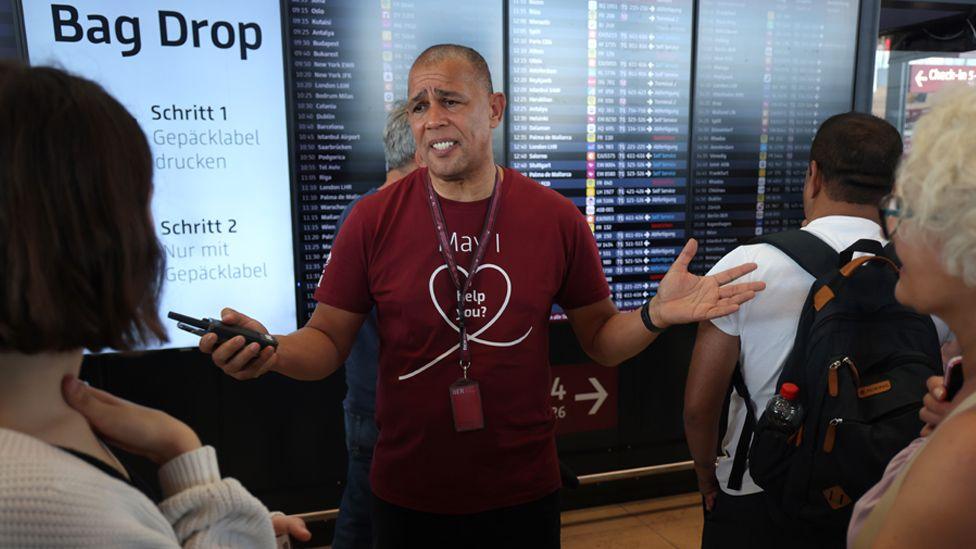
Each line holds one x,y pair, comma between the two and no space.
496,103
814,179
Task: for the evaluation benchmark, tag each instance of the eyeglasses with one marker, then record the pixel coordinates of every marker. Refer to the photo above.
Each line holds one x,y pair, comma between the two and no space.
892,211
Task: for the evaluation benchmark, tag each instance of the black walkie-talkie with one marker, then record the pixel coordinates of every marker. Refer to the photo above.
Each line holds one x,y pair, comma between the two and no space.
224,332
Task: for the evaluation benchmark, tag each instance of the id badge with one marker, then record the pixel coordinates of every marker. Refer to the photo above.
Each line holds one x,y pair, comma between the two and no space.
466,405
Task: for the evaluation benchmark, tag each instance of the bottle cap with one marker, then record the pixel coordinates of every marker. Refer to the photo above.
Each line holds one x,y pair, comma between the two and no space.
789,391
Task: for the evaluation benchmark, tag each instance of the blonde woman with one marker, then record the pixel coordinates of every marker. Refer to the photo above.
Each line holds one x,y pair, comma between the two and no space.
926,498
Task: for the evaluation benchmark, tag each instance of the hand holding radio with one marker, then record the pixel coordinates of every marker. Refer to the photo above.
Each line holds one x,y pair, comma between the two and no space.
238,344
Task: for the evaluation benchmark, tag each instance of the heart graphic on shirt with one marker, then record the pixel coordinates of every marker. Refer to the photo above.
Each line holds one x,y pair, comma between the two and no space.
473,338
501,309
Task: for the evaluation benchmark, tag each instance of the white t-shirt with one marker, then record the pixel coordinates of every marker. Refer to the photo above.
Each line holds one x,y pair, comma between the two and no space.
766,326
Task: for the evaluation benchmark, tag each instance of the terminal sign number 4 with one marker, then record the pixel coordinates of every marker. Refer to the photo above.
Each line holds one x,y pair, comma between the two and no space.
599,396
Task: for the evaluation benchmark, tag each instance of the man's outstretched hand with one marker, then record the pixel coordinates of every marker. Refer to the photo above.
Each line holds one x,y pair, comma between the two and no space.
683,297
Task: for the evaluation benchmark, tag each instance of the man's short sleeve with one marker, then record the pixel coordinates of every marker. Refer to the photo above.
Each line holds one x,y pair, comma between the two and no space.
731,324
345,280
584,283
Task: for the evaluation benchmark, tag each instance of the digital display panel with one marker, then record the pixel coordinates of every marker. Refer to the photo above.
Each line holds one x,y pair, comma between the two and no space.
350,61
206,83
768,72
608,107
8,31
600,109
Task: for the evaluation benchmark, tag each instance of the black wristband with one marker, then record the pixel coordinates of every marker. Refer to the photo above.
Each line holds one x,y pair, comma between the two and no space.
646,318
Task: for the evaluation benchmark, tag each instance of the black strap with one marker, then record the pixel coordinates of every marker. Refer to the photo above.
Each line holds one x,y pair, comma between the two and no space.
134,480
889,252
745,436
809,252
864,245
815,257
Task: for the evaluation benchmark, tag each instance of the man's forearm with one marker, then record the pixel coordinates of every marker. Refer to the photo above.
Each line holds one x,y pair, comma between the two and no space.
701,430
622,336
307,354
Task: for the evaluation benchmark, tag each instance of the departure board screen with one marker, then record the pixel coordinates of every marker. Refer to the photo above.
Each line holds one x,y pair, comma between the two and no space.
768,72
8,31
600,111
349,61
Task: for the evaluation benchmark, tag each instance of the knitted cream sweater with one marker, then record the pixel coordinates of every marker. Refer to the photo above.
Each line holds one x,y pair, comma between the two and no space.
50,498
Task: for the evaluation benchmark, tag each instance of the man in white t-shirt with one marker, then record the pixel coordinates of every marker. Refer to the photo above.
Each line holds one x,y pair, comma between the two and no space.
852,164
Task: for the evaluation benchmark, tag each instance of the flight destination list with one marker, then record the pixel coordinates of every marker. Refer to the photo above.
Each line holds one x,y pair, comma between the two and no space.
600,112
349,61
768,72
8,34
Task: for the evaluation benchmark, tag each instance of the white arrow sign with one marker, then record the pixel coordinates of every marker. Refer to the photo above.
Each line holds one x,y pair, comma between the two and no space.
920,79
600,396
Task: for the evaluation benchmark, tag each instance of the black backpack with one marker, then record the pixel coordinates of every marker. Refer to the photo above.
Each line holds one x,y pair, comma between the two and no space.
861,360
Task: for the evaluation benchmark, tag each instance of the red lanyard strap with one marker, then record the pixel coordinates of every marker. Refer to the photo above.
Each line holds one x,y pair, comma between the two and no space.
440,227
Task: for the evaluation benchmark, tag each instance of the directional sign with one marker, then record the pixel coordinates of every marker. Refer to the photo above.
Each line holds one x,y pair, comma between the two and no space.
599,396
931,78
584,397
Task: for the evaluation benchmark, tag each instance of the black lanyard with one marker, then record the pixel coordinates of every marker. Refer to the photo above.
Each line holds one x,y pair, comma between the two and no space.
440,227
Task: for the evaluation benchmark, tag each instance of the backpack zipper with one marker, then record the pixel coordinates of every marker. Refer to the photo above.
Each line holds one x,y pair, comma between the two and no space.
833,378
833,381
830,438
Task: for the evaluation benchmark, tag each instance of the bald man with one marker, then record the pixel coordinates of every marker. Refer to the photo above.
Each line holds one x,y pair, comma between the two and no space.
466,455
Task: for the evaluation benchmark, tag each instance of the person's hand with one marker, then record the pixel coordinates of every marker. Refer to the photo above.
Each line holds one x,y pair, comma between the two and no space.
707,485
139,430
683,297
291,525
950,350
934,405
236,359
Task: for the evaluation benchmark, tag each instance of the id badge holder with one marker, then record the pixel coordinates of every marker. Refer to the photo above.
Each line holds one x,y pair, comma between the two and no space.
466,405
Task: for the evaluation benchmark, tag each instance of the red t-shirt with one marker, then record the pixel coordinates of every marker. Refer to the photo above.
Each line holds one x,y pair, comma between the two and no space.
387,255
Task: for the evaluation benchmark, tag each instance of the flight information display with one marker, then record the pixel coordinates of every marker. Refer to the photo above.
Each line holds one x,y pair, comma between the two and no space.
602,110
8,31
600,98
349,63
768,72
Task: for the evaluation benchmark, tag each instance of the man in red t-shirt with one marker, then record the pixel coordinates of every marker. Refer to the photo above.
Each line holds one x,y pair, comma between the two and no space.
469,463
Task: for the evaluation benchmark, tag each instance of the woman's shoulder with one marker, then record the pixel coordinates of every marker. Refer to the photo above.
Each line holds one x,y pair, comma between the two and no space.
940,479
955,438
31,462
62,493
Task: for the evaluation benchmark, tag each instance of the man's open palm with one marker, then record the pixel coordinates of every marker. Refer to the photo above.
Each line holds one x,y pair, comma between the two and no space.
683,297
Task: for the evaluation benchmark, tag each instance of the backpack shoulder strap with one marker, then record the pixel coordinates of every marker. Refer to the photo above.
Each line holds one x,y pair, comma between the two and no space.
889,252
745,437
809,252
815,257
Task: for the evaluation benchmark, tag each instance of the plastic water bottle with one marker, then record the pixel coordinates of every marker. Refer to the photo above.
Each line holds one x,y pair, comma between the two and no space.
784,412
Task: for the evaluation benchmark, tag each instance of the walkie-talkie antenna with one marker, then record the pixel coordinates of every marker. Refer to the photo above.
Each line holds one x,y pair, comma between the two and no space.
189,321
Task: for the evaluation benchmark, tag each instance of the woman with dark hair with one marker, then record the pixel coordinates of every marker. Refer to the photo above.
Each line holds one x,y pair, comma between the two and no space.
80,268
